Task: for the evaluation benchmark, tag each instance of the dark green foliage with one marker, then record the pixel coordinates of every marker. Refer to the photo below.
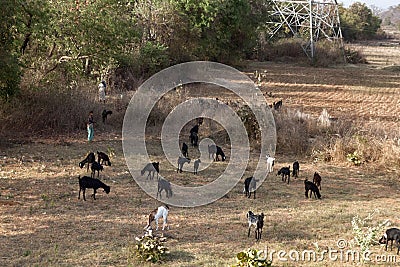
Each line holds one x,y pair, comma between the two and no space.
358,22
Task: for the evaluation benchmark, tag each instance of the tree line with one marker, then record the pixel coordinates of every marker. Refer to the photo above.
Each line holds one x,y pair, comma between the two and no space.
42,40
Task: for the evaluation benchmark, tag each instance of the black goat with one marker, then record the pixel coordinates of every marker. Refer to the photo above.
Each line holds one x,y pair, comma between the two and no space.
195,129
220,153
296,169
88,182
257,221
103,158
277,105
310,186
181,161
185,150
104,115
164,185
212,149
194,139
90,158
317,180
285,172
391,234
196,165
250,185
151,168
96,167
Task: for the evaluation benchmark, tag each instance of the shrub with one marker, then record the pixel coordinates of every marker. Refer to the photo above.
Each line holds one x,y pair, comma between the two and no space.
365,233
150,248
354,158
252,258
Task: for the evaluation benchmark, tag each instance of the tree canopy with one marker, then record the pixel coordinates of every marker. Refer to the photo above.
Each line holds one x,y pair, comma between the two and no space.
91,38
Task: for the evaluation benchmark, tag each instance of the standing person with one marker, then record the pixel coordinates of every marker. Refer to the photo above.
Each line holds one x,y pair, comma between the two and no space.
102,91
90,127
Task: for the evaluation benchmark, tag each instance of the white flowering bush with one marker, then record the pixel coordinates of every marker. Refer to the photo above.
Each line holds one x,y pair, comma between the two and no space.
150,248
365,234
252,258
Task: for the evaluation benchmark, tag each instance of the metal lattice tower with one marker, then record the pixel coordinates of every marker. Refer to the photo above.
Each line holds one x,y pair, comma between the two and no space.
308,20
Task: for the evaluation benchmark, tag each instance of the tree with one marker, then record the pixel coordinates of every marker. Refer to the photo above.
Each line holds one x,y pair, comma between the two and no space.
358,22
10,69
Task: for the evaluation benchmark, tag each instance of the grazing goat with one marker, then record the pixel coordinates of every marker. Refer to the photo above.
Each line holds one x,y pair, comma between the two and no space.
250,185
296,169
185,150
391,234
104,114
257,221
103,158
181,161
212,150
270,164
96,167
220,153
309,186
156,214
153,167
88,182
90,158
196,165
278,105
194,139
285,172
164,185
195,129
317,180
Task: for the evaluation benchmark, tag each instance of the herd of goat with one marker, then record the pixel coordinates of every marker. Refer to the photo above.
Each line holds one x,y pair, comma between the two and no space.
215,152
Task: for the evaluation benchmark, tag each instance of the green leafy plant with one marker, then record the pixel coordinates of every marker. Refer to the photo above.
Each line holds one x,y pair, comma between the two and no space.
365,233
252,258
150,248
354,158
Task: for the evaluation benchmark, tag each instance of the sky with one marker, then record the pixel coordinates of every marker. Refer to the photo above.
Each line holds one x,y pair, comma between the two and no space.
383,4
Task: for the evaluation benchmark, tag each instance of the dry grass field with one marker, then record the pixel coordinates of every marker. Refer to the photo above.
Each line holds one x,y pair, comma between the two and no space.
42,222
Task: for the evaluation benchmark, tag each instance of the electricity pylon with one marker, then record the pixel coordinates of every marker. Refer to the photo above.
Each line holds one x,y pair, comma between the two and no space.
309,20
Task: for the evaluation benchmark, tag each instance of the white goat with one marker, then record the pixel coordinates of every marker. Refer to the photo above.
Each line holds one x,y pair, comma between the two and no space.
156,214
270,163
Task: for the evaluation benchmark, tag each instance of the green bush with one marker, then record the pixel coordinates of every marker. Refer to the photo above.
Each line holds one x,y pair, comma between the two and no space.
150,248
252,258
365,234
355,158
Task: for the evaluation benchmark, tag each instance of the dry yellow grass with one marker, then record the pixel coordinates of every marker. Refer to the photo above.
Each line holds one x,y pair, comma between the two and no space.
42,223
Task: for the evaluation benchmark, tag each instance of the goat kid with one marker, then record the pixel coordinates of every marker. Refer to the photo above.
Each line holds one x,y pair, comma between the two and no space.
391,234
103,158
90,158
212,150
194,139
152,168
164,185
196,165
96,167
156,214
220,153
310,186
270,164
257,221
250,185
296,169
285,173
185,150
181,161
88,182
317,180
104,114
